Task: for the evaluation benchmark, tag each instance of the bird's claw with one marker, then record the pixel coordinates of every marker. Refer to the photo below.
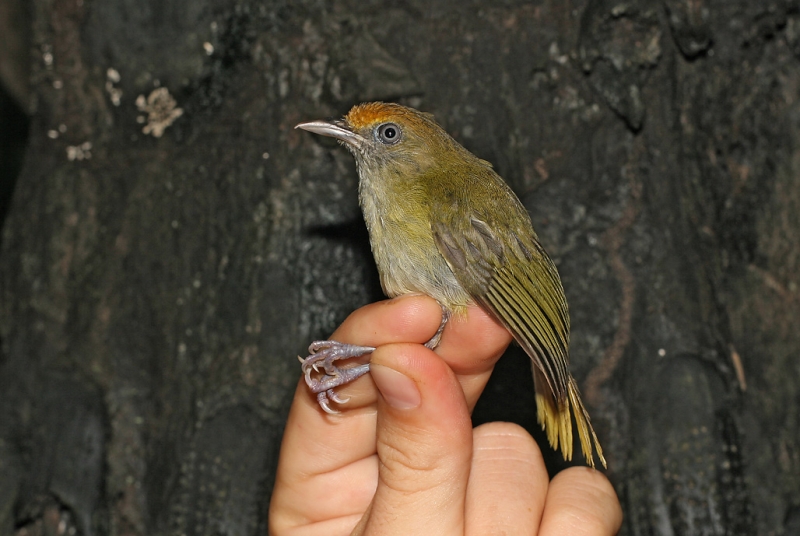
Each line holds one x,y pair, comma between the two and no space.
336,398
323,399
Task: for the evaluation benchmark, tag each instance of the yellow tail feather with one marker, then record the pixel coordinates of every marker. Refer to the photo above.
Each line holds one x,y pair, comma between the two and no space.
556,419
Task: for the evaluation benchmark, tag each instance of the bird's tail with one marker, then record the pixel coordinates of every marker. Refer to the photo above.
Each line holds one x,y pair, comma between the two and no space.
556,419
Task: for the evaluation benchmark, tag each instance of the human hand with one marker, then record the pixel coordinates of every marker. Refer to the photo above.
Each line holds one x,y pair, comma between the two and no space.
404,459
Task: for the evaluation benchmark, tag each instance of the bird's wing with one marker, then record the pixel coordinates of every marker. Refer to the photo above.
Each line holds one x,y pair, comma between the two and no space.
508,274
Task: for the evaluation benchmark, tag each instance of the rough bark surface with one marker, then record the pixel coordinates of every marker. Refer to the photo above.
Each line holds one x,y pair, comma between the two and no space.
173,243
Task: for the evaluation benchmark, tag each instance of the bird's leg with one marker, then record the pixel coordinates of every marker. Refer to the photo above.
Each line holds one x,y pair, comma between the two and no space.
323,354
437,337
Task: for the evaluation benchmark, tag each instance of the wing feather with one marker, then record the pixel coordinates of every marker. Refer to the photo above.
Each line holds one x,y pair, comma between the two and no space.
524,294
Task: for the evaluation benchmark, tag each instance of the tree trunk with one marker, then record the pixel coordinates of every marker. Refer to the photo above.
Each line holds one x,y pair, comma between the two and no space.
173,243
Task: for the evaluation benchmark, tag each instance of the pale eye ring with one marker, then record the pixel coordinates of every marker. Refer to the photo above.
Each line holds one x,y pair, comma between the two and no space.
388,133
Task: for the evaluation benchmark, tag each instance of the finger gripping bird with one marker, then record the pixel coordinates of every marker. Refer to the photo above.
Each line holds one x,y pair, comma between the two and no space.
443,223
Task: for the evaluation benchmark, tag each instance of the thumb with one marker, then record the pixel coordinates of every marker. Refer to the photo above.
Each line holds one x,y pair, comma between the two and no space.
424,444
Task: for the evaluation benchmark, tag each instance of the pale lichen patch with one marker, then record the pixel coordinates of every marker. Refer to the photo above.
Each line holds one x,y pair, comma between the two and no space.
79,152
161,109
114,93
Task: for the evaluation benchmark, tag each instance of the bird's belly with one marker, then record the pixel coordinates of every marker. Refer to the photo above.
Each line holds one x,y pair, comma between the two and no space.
409,261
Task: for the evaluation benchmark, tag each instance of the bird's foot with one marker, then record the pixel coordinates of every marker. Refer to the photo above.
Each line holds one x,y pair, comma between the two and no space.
323,354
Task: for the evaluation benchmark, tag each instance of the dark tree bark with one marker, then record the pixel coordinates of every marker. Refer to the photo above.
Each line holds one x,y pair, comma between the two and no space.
173,243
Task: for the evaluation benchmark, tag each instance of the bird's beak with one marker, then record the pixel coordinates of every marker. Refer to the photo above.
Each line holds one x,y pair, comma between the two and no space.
333,129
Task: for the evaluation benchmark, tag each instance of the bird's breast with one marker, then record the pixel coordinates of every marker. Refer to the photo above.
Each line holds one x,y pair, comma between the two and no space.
407,257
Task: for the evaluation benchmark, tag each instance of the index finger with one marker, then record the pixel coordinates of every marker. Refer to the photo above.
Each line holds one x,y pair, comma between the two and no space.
471,346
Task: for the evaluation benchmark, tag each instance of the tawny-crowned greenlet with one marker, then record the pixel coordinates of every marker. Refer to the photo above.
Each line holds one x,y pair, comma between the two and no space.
443,223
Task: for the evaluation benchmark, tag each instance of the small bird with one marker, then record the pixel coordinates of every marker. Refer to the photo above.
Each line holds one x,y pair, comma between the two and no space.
441,222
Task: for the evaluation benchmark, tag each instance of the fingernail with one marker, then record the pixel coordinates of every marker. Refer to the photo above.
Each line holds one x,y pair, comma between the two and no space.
397,389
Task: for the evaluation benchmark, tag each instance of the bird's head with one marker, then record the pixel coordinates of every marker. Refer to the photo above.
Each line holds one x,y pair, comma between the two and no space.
390,137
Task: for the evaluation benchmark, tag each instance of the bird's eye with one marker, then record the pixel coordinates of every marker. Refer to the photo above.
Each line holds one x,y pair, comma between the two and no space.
388,133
